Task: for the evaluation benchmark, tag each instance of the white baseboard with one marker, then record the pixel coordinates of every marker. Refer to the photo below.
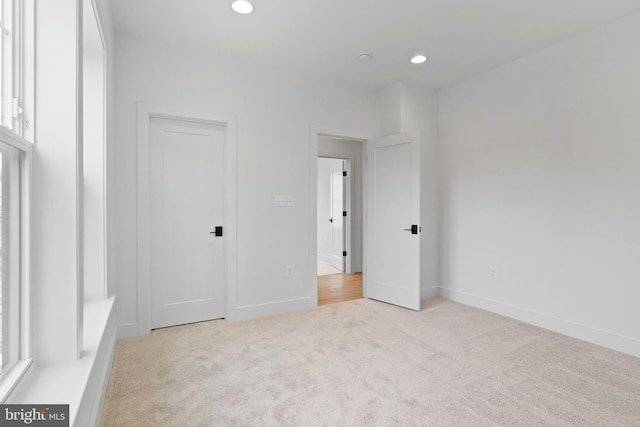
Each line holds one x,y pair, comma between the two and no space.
433,291
268,309
566,327
325,258
104,380
128,330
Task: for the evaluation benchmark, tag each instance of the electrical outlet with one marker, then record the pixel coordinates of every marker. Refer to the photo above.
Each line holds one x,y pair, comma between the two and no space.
493,272
288,270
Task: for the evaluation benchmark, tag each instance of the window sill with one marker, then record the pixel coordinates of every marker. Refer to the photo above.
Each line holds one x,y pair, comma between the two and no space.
80,383
13,378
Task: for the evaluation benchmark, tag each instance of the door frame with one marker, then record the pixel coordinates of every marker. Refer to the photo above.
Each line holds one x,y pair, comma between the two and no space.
315,133
145,112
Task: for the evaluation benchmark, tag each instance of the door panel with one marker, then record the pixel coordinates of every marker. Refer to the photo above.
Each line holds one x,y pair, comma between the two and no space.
324,210
331,222
187,193
337,207
393,252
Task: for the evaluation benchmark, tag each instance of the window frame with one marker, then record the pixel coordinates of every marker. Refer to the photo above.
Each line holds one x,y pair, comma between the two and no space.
23,340
17,67
17,74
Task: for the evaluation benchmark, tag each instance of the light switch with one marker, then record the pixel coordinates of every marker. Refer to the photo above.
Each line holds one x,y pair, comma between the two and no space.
284,201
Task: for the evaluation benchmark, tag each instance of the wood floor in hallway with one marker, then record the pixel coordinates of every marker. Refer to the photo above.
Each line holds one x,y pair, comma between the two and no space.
335,288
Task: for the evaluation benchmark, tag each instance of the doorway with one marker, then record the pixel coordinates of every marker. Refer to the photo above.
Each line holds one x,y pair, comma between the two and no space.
339,219
204,132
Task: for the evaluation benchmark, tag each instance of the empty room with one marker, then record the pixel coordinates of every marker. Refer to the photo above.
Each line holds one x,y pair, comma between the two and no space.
320,212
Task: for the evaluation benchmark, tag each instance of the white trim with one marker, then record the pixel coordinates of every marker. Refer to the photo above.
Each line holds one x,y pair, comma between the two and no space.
14,376
79,181
433,291
105,71
128,330
27,84
101,343
566,327
99,399
102,325
105,146
25,312
145,113
314,133
268,309
80,384
15,140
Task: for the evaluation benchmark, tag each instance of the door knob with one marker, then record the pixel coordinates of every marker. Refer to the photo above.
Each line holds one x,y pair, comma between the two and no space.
217,232
413,229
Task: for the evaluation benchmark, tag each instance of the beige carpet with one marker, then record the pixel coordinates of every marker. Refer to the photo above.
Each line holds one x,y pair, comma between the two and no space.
365,363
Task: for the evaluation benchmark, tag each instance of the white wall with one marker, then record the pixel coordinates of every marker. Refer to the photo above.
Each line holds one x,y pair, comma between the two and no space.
541,171
275,112
56,278
391,109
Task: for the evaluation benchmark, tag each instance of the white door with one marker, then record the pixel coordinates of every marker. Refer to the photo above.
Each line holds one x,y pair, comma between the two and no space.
187,204
337,217
331,222
393,212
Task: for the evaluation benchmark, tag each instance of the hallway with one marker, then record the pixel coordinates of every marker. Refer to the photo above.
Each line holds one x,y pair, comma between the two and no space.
341,287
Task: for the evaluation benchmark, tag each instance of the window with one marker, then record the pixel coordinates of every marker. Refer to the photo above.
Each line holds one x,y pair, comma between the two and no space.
16,90
93,152
16,61
11,160
14,261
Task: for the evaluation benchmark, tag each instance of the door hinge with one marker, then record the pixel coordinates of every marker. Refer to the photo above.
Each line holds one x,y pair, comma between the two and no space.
344,173
344,213
344,253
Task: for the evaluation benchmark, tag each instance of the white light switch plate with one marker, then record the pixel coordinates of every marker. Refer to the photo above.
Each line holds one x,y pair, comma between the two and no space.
284,201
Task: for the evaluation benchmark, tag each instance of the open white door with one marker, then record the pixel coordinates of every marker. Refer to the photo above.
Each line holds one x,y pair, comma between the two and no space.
393,213
337,219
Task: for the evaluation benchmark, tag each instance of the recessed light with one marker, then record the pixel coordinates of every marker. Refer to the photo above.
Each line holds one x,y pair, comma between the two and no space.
364,56
242,6
418,59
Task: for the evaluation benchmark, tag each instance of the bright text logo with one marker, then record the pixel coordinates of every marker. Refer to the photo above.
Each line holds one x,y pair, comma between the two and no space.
34,415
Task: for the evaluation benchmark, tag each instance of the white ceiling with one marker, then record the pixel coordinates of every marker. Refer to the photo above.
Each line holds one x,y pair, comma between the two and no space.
462,38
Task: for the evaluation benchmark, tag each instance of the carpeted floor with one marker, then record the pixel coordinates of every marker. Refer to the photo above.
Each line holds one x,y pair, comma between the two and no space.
365,363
